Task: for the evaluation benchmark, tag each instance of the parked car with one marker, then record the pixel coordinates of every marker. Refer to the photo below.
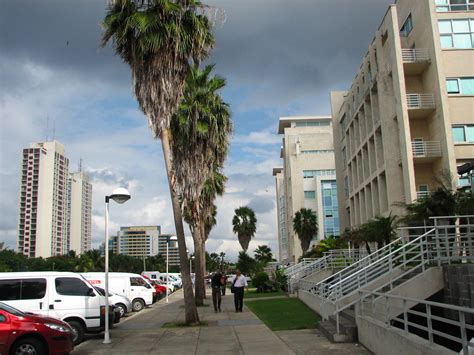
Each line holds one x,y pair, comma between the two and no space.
27,333
61,295
121,303
159,289
132,286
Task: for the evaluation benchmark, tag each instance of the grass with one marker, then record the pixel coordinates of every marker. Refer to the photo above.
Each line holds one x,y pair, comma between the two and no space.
284,313
252,293
183,325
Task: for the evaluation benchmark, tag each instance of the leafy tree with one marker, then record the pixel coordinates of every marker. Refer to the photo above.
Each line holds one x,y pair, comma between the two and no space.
244,225
212,261
201,131
158,39
247,264
305,225
263,254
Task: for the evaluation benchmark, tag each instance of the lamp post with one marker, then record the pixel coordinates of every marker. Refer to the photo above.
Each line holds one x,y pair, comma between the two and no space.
120,196
169,238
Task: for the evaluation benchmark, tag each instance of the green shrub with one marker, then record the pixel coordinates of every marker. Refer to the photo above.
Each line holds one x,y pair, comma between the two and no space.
259,281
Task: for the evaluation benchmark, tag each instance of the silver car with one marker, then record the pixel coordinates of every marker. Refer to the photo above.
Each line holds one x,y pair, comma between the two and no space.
121,302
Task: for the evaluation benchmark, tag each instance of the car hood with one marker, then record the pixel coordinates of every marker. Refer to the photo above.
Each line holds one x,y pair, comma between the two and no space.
42,319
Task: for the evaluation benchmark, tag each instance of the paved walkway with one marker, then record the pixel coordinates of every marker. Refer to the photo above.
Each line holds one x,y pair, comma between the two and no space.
227,333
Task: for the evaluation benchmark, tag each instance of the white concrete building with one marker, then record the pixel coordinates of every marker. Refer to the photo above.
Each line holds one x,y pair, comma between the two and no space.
79,212
139,241
307,179
43,198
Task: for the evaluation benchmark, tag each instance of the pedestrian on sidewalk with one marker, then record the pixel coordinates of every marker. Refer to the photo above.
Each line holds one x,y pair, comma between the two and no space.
223,283
216,291
238,284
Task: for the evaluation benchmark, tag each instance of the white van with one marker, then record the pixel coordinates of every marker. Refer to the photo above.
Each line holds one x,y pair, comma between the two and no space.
132,286
63,295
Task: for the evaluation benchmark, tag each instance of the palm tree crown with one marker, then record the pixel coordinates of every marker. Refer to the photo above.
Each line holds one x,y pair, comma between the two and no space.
305,225
244,225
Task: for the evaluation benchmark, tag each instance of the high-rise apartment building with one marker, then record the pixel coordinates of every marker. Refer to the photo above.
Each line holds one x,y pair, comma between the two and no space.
139,241
42,223
173,251
79,205
408,118
307,180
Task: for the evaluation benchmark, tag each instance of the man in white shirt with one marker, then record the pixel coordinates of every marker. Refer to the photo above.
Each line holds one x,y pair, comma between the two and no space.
239,283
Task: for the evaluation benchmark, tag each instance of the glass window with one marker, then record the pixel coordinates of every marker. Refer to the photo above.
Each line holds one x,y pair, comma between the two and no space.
137,281
10,290
33,289
445,26
71,286
461,26
452,86
407,27
456,33
447,41
462,41
458,134
467,86
470,133
310,194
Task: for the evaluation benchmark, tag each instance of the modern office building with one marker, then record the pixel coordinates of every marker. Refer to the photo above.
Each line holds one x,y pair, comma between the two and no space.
79,205
408,118
143,241
307,180
42,225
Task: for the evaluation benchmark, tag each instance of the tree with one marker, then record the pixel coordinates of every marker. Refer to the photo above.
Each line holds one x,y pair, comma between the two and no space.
158,39
263,254
201,129
244,225
305,225
247,264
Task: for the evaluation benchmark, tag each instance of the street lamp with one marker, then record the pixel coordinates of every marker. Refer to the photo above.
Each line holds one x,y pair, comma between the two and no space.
120,196
169,239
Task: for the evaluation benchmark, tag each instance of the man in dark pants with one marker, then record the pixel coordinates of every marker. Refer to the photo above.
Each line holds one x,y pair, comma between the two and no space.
216,291
239,283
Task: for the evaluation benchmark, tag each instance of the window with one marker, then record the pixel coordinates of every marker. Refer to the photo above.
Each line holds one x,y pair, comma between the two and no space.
407,27
463,134
457,33
317,151
460,86
138,281
29,289
312,123
310,194
454,5
71,286
330,208
313,173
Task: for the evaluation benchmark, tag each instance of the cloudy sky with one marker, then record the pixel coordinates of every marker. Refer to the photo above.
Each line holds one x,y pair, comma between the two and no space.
280,58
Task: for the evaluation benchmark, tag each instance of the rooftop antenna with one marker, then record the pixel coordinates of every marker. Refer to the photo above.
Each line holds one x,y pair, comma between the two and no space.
80,164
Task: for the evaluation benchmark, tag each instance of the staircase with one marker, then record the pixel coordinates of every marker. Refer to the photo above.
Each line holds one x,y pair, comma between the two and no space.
385,271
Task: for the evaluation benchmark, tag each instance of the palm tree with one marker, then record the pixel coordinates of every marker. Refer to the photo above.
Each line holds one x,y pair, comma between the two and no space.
305,225
244,225
263,254
158,39
201,131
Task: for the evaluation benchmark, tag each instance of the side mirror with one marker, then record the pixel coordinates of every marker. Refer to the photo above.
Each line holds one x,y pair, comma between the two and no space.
91,292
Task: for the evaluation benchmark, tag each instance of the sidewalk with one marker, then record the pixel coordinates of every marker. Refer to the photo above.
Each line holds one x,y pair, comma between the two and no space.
226,333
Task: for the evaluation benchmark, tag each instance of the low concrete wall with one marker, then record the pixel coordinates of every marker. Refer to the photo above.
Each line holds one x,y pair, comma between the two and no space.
459,290
385,340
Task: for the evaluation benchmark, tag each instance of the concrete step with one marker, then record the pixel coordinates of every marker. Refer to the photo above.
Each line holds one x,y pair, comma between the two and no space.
347,328
329,331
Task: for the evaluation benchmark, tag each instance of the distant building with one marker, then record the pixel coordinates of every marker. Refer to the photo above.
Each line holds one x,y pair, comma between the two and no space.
408,117
42,225
173,252
79,212
307,180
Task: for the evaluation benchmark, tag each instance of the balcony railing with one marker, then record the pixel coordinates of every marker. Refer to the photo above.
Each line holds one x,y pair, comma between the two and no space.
426,149
420,101
422,194
415,55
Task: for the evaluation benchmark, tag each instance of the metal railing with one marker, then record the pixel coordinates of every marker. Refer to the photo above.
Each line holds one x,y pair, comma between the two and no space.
425,149
296,267
431,318
422,194
415,55
420,101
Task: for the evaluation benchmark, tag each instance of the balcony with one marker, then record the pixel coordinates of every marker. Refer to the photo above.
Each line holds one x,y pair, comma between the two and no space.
420,105
426,151
415,60
422,194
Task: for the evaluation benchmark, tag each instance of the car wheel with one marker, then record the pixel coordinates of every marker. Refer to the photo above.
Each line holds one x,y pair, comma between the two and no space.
122,309
77,331
138,305
32,346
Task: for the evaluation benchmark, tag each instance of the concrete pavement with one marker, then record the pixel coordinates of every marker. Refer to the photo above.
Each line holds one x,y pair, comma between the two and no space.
226,333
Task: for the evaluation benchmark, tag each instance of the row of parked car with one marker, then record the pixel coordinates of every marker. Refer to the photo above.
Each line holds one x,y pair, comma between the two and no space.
49,312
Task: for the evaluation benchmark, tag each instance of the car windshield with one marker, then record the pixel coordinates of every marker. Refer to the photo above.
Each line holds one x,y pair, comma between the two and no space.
11,310
100,290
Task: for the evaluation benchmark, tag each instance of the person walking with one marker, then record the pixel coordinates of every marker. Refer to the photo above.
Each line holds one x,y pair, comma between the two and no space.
223,283
238,284
216,291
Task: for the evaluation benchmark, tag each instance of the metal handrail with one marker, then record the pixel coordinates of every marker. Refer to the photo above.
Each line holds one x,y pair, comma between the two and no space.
415,55
404,311
420,101
422,149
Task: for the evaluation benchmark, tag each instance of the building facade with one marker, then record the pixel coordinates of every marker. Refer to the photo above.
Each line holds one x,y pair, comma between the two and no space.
173,252
307,180
408,119
42,225
79,216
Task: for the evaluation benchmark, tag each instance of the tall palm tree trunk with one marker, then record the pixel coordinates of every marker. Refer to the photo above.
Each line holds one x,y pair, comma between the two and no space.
203,256
190,310
199,276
